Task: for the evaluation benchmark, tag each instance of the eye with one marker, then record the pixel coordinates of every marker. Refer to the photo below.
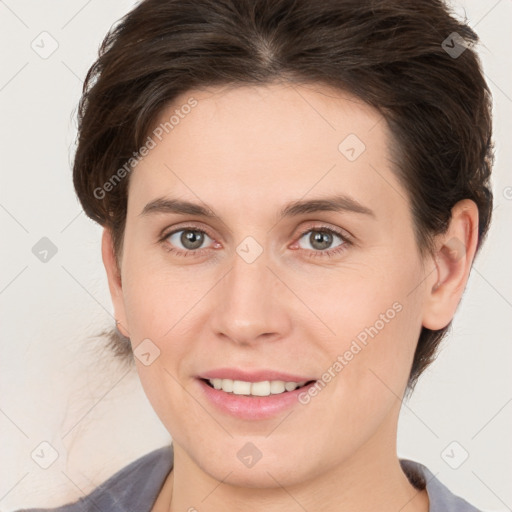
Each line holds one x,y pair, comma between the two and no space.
186,240
189,241
322,238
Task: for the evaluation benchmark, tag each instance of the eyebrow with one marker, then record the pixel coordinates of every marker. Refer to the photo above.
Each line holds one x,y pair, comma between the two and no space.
337,203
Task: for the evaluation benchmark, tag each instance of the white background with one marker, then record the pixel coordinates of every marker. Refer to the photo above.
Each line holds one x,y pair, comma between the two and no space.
57,382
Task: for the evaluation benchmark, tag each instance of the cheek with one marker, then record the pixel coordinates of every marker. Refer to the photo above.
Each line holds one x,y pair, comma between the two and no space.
376,318
367,302
371,365
157,297
381,350
165,394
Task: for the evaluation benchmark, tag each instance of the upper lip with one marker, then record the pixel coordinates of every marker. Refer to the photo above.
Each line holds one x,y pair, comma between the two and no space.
253,375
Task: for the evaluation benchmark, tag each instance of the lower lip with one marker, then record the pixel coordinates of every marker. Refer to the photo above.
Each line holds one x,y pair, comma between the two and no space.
252,407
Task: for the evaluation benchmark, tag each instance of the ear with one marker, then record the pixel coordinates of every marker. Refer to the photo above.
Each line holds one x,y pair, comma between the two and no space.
455,251
114,281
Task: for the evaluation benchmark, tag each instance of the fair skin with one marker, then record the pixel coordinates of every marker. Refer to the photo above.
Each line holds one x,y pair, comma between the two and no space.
245,153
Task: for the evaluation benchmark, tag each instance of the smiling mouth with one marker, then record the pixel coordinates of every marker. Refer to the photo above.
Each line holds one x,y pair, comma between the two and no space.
256,389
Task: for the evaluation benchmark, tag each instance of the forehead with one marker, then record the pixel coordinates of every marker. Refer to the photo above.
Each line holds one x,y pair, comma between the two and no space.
266,145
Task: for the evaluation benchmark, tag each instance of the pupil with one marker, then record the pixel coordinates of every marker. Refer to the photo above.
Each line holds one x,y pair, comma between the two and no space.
322,238
192,239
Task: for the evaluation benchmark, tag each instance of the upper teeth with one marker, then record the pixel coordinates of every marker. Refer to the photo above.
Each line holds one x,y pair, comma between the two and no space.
264,388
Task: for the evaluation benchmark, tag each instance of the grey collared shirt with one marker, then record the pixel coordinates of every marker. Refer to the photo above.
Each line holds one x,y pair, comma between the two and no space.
135,487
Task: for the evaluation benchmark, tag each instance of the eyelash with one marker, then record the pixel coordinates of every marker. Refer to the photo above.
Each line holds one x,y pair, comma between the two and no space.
313,254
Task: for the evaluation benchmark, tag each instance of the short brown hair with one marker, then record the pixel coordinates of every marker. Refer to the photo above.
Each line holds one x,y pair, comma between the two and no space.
411,60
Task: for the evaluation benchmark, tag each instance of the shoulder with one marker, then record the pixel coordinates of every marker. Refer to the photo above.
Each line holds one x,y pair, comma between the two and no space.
440,497
134,487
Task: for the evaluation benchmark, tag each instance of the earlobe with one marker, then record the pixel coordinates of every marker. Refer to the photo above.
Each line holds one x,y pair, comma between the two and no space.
453,260
114,280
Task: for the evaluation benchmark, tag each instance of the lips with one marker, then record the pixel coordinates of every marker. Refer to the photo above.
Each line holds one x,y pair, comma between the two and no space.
252,408
254,375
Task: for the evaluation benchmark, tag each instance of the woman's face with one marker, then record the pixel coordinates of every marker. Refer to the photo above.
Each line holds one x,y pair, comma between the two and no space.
333,292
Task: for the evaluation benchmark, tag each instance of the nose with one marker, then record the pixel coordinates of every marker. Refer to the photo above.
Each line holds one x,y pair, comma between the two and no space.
251,303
